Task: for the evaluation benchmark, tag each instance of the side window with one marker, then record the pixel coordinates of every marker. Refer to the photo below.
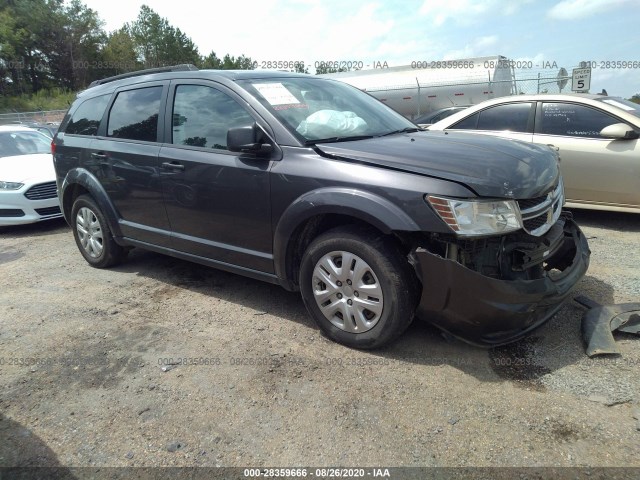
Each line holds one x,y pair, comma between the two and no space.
569,119
202,115
469,123
86,119
513,117
134,114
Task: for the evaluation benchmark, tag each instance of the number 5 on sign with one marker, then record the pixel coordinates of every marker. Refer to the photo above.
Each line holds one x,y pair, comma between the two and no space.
581,79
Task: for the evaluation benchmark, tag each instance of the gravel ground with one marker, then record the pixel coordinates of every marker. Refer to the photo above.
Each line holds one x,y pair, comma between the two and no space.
86,378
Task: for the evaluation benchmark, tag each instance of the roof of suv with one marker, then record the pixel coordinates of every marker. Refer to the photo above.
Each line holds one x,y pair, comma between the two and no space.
183,71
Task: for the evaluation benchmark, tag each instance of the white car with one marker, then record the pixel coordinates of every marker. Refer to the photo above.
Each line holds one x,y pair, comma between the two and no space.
596,136
28,192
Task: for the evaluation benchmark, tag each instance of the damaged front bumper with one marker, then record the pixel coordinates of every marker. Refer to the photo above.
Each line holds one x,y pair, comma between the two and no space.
489,311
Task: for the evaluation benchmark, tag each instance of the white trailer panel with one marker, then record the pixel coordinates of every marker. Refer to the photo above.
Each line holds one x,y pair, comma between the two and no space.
415,91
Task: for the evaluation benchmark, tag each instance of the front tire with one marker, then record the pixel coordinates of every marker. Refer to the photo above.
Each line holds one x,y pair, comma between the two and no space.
358,287
93,236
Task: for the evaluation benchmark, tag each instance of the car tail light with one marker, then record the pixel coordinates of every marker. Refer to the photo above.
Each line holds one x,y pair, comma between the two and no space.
53,148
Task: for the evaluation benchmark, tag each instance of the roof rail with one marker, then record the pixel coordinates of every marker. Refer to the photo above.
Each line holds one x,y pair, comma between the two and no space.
185,67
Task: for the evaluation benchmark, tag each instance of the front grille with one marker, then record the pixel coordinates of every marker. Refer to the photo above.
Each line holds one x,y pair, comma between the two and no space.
534,223
43,212
11,212
528,203
42,191
540,213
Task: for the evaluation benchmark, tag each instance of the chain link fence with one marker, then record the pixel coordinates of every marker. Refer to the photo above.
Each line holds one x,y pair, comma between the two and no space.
522,82
50,116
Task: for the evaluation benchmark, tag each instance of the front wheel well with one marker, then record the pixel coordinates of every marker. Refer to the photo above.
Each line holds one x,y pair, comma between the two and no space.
310,229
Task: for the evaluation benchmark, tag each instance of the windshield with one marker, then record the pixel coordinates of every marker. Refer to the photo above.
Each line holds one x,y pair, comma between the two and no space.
23,143
315,109
626,105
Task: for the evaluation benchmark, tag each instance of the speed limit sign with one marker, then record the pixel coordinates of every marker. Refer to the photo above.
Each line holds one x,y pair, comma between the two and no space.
581,79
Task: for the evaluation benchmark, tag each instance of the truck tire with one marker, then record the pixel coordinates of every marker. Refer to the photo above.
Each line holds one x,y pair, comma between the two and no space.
358,287
93,236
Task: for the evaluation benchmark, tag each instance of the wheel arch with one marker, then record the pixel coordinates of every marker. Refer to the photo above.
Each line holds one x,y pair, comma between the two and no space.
80,181
323,209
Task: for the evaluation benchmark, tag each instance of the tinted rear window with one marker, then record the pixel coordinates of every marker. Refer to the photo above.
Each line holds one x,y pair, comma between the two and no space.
513,117
86,119
134,114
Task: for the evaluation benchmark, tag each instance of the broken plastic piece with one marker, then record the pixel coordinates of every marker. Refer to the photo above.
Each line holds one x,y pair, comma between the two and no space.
600,321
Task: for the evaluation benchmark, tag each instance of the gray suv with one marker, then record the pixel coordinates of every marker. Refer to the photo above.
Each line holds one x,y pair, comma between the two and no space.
314,185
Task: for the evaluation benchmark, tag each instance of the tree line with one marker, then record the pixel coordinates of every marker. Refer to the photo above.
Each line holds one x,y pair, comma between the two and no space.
47,44
53,45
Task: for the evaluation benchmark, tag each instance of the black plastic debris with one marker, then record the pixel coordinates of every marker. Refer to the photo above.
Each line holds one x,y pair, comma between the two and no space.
600,321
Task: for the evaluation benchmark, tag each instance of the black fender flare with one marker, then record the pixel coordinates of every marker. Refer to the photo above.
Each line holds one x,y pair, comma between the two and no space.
366,206
82,177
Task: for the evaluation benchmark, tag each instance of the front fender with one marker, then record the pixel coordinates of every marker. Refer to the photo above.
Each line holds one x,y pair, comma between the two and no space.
83,178
366,206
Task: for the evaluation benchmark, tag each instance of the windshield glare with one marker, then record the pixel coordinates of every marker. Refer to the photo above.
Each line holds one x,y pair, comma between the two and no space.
23,143
315,109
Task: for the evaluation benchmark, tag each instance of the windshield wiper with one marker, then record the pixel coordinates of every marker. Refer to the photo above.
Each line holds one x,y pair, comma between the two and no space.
337,139
404,130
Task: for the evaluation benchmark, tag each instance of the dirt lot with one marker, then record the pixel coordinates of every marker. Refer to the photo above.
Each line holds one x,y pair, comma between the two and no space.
82,383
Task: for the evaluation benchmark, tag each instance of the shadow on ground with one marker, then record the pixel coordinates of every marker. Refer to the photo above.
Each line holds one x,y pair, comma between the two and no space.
555,345
24,455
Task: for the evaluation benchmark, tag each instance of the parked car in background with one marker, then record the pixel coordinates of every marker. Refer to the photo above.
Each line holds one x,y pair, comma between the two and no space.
437,115
47,128
596,137
27,177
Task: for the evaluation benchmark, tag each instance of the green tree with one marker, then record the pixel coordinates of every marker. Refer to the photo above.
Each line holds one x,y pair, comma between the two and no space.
119,53
635,98
228,62
77,57
211,61
27,43
157,43
323,68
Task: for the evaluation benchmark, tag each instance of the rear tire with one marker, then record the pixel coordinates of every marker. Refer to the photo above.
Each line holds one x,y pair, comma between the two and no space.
92,234
358,287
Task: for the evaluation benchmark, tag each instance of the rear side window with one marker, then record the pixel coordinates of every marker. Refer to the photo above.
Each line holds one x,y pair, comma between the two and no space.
134,114
86,119
571,120
202,115
513,117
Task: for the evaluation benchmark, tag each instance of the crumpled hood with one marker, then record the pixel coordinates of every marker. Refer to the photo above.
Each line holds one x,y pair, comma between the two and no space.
490,166
37,167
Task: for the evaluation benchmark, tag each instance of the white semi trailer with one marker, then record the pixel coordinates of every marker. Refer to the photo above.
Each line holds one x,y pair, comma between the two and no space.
423,87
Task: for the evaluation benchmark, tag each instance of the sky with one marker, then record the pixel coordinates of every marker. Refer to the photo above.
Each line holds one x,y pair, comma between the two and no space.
547,33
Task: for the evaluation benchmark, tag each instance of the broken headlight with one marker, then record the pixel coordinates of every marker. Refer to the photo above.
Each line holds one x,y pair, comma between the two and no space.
470,218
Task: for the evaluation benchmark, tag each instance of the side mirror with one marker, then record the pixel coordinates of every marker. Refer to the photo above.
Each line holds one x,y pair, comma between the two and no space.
249,139
619,131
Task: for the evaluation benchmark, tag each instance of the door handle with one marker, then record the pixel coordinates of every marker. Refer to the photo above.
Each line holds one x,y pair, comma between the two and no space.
99,156
172,166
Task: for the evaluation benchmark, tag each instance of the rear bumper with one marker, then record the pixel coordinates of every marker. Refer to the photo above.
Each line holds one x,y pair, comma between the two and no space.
489,312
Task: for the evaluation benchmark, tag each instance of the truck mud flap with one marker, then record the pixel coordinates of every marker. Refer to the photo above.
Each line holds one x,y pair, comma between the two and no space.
600,321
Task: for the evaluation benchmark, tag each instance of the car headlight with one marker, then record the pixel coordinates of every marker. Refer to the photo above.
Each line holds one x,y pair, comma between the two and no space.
10,185
477,217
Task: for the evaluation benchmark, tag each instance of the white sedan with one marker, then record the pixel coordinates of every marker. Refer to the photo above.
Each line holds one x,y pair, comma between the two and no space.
596,137
28,191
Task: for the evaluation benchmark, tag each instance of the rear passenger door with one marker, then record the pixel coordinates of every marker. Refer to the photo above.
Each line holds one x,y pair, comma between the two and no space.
124,157
218,202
